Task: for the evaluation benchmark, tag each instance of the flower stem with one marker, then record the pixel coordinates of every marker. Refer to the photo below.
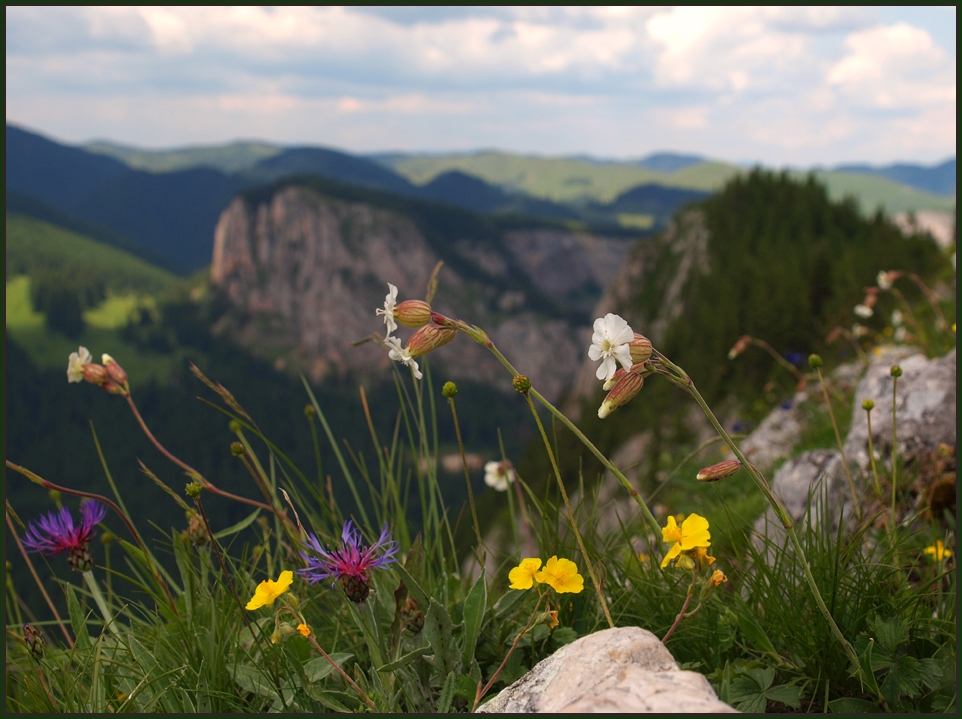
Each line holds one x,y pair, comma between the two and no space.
101,604
467,479
777,506
571,516
340,671
838,439
681,615
895,449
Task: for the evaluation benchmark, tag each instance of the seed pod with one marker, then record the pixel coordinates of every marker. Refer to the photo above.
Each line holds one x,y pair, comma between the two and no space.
719,471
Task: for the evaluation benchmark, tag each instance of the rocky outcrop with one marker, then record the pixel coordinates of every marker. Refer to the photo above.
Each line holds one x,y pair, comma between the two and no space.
304,273
622,670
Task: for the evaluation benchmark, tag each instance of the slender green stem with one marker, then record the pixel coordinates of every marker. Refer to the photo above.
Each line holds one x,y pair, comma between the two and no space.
871,454
841,448
895,449
681,615
101,603
571,516
467,479
780,511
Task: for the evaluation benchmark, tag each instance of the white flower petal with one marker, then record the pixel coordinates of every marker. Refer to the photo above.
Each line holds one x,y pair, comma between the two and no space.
622,353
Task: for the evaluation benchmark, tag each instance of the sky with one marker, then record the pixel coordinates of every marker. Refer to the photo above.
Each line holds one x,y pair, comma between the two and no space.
780,86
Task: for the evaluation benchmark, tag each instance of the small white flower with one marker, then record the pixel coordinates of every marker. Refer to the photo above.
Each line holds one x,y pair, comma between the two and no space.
863,311
884,281
498,475
399,354
390,300
896,318
859,331
75,364
610,343
900,334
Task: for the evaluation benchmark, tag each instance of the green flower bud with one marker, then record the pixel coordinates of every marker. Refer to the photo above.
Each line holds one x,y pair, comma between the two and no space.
521,384
309,410
896,371
108,538
193,490
234,426
868,405
814,361
449,390
236,449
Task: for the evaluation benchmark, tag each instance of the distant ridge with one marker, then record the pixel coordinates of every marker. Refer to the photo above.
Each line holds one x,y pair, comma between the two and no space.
939,179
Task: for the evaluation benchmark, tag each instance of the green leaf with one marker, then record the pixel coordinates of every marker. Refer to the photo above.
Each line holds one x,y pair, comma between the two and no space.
787,694
336,701
508,602
241,525
437,630
475,605
405,660
414,589
466,687
746,696
78,619
564,635
865,663
890,634
851,705
447,694
318,668
251,680
755,634
724,692
908,675
763,676
930,673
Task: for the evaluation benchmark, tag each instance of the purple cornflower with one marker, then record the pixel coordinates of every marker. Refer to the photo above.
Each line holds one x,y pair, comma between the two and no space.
351,563
56,533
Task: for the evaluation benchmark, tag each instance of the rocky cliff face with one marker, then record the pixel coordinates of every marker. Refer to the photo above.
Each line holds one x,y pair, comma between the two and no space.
304,273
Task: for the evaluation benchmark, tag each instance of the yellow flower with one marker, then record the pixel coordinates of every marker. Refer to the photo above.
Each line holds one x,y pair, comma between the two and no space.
523,576
701,555
304,630
269,590
938,551
561,575
692,533
718,577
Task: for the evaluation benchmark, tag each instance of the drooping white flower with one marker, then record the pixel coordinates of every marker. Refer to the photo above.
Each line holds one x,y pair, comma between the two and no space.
610,343
75,364
400,354
884,280
498,475
390,300
863,311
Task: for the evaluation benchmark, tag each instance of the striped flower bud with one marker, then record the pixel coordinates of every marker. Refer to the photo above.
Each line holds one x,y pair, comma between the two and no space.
94,373
34,640
740,346
115,371
614,379
640,348
428,338
622,393
413,313
719,471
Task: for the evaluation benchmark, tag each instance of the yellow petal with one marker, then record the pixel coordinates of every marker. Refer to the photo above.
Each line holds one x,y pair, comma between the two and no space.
694,531
671,533
520,579
672,553
284,582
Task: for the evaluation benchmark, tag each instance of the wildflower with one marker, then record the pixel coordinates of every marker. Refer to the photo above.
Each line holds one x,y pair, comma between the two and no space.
389,301
115,371
304,630
692,533
523,576
897,318
717,578
885,280
550,618
75,364
269,590
399,354
63,536
34,640
499,475
701,556
351,564
610,343
429,338
413,313
938,551
719,471
863,311
900,334
622,393
95,374
859,330
561,575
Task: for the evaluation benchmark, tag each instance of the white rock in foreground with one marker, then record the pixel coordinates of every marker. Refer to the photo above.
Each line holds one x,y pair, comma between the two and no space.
622,670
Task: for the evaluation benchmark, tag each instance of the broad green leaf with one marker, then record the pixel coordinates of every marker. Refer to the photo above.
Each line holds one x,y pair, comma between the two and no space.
755,634
466,687
475,605
746,695
724,692
851,705
78,619
318,668
438,631
508,602
252,680
564,635
930,673
405,660
890,634
865,662
787,694
447,694
908,675
336,701
763,676
414,589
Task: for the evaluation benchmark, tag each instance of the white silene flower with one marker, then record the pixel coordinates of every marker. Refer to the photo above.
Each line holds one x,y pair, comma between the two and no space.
897,318
863,311
75,364
390,300
498,475
399,354
610,343
884,281
900,334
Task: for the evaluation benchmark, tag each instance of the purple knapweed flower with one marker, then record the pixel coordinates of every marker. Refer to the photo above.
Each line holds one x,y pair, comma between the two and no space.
56,533
351,563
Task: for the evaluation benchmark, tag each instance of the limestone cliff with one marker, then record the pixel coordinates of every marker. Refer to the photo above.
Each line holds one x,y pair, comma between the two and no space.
305,271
